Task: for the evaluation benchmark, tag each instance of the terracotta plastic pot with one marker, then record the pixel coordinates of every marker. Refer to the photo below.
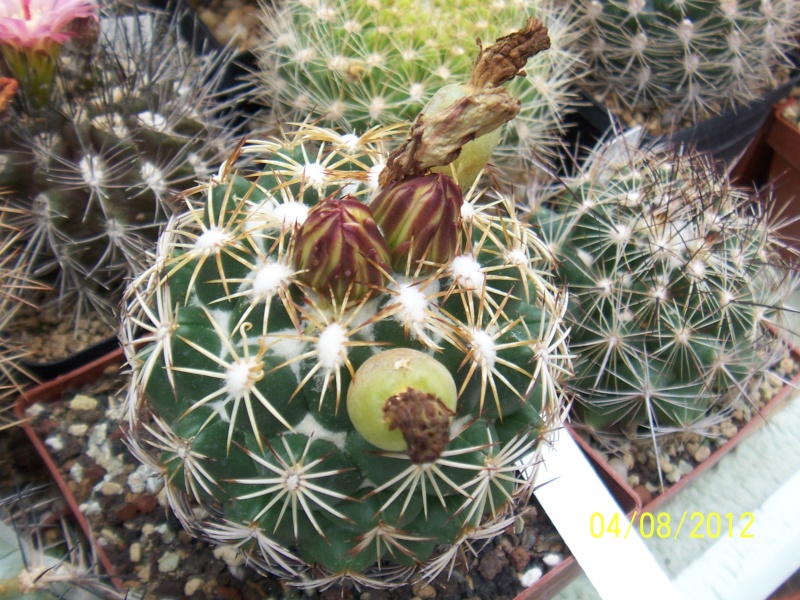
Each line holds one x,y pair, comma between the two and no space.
50,392
784,140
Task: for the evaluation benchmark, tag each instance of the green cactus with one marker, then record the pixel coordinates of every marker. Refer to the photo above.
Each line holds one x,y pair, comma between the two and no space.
674,283
360,63
133,116
690,59
343,406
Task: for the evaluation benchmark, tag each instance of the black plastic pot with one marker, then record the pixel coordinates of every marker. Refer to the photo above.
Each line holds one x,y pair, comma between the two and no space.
46,371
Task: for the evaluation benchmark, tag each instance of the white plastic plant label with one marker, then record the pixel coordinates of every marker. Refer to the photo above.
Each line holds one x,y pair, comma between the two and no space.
597,532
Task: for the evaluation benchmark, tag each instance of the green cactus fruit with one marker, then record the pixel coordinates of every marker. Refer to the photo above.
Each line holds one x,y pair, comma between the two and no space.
334,441
676,288
396,389
690,59
361,63
419,218
134,116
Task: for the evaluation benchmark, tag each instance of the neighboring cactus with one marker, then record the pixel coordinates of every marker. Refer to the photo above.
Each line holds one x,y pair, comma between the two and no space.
673,284
360,63
13,286
331,411
132,115
35,565
689,60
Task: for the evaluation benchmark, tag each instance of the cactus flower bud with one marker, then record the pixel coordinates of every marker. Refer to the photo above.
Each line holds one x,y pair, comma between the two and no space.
403,399
339,250
419,218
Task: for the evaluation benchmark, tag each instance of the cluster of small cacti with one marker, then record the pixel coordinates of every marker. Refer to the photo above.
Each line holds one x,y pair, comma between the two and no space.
91,151
673,284
35,565
348,363
694,59
360,63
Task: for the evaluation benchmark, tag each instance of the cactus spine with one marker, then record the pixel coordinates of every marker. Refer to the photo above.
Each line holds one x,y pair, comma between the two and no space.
360,414
674,281
355,63
692,59
132,116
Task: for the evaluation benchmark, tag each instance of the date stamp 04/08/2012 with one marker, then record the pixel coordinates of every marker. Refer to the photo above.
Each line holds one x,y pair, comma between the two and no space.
695,525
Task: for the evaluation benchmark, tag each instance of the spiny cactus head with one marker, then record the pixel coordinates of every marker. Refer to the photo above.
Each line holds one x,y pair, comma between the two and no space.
357,64
331,435
675,282
692,60
134,116
32,567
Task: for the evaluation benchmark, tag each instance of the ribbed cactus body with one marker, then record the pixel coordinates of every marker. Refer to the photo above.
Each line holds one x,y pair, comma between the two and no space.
133,118
357,64
672,286
693,59
243,375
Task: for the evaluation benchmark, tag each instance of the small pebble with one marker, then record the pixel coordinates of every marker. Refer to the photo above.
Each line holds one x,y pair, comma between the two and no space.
135,552
684,467
627,459
55,442
168,562
34,410
76,472
193,585
423,590
618,466
531,576
728,429
83,402
703,452
78,430
552,559
674,476
111,488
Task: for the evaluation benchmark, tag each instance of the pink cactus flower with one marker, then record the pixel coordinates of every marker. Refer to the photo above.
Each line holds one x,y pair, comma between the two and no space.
39,23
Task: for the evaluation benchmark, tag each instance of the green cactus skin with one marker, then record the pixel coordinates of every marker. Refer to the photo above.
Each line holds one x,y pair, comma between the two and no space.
133,118
243,375
360,63
674,281
693,59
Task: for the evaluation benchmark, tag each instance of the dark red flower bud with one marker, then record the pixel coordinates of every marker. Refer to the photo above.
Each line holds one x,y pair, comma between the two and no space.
340,251
419,219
